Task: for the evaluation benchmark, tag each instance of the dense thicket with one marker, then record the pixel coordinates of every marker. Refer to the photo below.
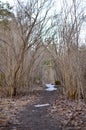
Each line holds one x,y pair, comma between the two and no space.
38,46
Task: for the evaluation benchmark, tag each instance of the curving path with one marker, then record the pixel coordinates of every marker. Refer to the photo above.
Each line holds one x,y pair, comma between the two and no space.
36,116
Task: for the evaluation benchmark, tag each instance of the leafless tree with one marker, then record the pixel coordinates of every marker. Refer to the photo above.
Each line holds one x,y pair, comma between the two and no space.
67,55
23,39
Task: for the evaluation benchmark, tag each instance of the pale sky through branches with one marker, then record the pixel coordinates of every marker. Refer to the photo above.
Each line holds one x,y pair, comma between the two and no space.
10,1
57,6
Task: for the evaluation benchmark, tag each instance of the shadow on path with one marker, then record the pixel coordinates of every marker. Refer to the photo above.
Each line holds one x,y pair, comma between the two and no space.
33,118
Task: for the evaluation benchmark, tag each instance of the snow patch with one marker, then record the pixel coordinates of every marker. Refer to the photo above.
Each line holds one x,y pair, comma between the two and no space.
42,105
50,87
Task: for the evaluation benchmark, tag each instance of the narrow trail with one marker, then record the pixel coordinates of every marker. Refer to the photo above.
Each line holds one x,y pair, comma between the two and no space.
48,110
38,118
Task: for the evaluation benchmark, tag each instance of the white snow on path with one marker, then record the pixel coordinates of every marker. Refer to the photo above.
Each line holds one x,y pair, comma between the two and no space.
50,87
42,105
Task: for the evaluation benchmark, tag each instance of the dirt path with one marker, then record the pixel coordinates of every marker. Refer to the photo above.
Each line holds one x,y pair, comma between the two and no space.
33,118
57,114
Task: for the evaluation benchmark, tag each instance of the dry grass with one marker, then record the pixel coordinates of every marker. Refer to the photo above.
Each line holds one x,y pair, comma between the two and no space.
9,108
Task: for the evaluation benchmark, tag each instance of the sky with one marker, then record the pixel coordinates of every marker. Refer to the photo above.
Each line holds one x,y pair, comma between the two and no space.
57,4
13,1
10,1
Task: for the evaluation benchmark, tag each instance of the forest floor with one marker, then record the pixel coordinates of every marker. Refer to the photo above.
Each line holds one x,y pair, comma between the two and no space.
42,110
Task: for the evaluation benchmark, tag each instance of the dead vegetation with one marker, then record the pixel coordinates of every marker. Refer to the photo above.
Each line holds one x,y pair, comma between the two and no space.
9,108
39,46
71,114
31,52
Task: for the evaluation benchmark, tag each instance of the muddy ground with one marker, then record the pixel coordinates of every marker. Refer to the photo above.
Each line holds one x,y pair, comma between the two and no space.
59,113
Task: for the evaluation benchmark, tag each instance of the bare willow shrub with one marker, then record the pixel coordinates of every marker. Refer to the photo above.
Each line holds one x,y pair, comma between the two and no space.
82,53
71,66
67,56
21,42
